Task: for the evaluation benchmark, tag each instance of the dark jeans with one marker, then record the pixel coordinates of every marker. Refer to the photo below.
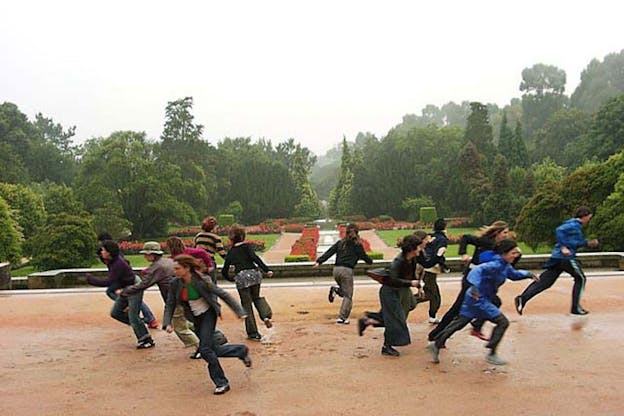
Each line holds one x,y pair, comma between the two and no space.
550,275
133,303
251,296
148,316
501,322
210,351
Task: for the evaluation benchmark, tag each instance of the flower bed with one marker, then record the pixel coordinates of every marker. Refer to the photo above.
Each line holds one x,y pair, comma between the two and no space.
306,244
134,247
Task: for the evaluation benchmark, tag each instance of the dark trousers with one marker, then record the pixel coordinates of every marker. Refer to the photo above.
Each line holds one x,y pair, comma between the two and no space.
453,311
210,351
432,294
251,296
501,322
550,275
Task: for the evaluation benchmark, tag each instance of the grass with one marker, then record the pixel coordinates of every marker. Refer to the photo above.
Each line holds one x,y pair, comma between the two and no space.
390,238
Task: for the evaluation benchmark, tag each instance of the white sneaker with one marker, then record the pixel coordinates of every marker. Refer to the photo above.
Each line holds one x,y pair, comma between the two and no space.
342,321
434,320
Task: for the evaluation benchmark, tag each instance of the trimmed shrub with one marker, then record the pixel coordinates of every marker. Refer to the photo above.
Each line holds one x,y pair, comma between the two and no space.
294,258
375,255
225,220
428,215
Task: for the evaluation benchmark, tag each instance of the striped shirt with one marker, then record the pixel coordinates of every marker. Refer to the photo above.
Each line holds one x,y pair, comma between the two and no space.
210,242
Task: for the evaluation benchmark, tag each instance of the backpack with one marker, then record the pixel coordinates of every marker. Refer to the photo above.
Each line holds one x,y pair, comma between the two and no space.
379,274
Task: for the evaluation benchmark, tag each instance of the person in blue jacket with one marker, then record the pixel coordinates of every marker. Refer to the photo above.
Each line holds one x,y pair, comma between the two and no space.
563,259
480,300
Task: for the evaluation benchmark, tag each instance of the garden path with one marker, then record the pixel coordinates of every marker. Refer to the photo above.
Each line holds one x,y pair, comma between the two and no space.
378,245
280,249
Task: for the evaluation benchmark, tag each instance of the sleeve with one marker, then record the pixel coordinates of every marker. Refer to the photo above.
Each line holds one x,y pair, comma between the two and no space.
513,274
206,258
362,255
170,304
225,270
152,277
227,298
571,236
330,252
219,246
463,243
256,259
395,279
98,282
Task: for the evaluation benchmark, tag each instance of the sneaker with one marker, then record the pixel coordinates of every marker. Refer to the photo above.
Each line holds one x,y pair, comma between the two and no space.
519,304
222,389
196,355
435,352
361,326
256,337
434,321
342,321
580,311
153,324
332,294
389,351
268,323
495,359
476,333
148,343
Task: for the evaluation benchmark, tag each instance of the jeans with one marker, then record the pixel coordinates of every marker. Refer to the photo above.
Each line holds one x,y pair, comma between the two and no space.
344,277
148,316
432,294
133,303
210,352
251,295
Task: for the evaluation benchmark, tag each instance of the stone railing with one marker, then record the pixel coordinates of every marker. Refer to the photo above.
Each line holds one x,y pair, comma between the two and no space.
66,278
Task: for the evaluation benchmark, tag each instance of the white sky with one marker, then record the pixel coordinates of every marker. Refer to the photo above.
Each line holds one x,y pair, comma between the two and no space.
311,70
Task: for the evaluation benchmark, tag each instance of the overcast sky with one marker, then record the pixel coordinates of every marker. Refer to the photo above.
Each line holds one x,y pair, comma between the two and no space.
311,70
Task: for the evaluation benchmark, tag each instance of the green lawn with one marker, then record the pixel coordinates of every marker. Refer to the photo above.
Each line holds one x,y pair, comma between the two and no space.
390,238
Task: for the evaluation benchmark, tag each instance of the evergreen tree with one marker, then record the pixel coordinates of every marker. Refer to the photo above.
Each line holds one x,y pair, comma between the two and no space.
506,140
340,196
520,156
479,130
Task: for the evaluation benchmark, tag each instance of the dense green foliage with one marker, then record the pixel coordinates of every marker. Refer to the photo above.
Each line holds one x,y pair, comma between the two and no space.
65,241
10,235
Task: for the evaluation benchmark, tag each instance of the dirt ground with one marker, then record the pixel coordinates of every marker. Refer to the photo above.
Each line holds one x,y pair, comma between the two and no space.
61,354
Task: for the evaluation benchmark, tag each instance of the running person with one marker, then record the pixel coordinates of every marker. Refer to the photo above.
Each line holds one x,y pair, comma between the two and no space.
563,259
348,251
480,299
484,239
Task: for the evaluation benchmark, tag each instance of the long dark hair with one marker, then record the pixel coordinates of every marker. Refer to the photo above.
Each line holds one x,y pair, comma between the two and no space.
189,262
409,243
175,246
352,236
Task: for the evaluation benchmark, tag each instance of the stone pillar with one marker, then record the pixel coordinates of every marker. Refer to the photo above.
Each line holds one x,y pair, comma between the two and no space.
5,276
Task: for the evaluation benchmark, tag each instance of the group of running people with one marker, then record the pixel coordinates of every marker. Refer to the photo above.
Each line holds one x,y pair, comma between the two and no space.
188,285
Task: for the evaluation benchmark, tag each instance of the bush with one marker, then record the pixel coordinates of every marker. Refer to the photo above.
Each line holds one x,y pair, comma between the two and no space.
375,255
10,236
65,241
294,258
428,215
225,220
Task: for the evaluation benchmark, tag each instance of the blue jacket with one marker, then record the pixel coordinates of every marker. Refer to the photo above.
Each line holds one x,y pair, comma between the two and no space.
485,279
570,235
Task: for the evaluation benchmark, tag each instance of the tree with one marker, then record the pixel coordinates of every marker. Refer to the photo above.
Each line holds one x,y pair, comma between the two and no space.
10,236
340,196
28,206
65,241
540,216
52,153
600,81
608,223
520,156
542,86
506,139
479,131
474,173
413,205
607,132
182,145
123,172
565,129
60,199
548,171
15,144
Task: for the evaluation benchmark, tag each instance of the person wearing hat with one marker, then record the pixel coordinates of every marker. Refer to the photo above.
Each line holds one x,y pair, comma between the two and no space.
160,272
